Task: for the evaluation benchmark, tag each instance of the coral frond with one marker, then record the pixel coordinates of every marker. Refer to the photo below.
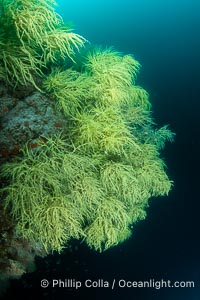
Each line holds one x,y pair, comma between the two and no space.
70,90
19,65
110,226
60,44
111,68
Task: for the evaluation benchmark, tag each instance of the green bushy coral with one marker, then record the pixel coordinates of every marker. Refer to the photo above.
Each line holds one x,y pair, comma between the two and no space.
39,197
110,225
94,181
102,129
113,74
19,65
70,90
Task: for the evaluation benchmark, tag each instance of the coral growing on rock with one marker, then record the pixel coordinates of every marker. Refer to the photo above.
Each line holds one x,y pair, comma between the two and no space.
93,180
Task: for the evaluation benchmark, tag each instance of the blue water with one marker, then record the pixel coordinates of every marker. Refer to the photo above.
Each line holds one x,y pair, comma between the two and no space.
165,37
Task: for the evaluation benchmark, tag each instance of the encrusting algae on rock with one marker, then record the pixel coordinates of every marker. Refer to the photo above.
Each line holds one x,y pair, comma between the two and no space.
92,180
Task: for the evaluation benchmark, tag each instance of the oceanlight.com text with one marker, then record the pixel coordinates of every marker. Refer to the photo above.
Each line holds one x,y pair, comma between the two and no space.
157,284
75,284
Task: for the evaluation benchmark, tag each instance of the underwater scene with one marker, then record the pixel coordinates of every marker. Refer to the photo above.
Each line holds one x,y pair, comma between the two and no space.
99,149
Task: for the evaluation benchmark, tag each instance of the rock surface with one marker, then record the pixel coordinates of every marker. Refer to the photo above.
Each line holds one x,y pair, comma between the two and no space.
23,120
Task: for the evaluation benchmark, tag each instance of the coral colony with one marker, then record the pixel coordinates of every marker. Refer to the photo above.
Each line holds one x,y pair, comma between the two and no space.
92,180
